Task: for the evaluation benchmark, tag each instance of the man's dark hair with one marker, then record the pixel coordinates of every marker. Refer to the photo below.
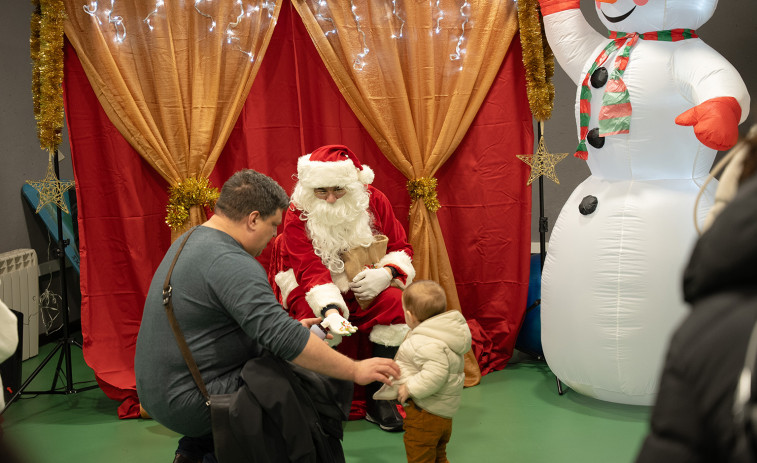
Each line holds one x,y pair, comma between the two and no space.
247,191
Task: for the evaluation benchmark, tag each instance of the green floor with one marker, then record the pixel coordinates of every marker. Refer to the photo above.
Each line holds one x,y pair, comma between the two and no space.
514,415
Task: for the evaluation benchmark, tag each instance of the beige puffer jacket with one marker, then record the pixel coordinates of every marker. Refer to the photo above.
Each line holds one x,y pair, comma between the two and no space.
431,360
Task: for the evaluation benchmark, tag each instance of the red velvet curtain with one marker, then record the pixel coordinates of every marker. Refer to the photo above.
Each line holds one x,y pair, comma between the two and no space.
294,107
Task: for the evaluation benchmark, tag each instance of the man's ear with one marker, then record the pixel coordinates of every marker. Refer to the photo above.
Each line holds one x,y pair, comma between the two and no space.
252,219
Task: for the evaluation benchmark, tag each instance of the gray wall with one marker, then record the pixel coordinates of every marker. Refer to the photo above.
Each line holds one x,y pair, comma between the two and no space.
21,159
732,31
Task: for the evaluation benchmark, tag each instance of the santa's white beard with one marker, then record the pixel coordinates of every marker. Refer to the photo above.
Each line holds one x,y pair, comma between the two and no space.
335,227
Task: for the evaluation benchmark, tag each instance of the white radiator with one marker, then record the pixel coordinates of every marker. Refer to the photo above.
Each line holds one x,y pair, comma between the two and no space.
19,289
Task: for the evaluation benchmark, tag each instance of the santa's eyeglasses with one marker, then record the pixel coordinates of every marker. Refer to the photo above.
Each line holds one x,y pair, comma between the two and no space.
324,193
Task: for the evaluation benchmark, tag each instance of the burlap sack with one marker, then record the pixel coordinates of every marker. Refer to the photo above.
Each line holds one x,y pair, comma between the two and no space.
359,258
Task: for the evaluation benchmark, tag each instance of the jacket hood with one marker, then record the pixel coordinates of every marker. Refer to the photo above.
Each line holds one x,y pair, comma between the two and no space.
449,327
725,257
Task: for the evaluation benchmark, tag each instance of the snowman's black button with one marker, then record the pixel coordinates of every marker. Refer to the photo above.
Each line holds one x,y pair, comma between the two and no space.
594,139
588,205
599,77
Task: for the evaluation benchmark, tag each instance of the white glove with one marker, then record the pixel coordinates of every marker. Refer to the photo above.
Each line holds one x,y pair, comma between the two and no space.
370,282
337,324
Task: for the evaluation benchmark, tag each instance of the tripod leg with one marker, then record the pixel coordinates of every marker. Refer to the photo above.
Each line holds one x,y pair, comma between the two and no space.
69,368
31,377
57,367
66,341
559,387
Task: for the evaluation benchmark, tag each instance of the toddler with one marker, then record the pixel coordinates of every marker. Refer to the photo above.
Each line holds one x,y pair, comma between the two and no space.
431,361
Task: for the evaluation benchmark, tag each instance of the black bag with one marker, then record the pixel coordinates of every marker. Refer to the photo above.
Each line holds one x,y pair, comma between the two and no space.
281,412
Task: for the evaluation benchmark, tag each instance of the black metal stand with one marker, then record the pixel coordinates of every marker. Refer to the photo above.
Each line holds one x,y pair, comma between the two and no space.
64,344
543,229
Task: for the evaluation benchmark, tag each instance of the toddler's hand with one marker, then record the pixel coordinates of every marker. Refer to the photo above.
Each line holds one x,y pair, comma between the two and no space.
402,394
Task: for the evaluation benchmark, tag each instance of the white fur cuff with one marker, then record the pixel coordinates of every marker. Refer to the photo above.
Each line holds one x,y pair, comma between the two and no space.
322,295
341,281
315,174
389,335
403,261
286,282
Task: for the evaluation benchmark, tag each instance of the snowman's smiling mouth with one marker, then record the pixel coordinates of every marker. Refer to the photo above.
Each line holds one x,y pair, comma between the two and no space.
617,19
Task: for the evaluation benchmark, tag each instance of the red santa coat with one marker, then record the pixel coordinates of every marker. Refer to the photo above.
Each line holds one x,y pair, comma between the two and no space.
305,285
302,277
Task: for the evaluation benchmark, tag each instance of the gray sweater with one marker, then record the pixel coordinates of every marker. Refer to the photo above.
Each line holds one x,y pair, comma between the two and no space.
228,313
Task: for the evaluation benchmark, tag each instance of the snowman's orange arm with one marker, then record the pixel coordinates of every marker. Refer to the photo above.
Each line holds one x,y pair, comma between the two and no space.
555,6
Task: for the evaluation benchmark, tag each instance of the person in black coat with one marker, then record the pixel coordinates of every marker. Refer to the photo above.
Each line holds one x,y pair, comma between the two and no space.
693,418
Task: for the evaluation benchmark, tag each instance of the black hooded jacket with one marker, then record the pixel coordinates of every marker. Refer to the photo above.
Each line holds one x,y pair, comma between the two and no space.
693,417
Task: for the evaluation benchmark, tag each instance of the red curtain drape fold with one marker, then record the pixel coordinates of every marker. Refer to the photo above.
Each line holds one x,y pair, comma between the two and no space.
294,107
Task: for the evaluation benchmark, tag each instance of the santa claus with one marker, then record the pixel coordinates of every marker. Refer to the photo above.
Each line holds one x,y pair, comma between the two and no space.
335,215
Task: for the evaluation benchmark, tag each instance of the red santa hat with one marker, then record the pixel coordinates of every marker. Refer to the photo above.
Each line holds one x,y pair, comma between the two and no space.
332,165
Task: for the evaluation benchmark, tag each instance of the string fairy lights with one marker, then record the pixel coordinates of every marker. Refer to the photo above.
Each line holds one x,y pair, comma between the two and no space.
231,38
402,21
117,21
91,9
270,7
359,63
459,50
321,17
158,4
439,16
96,11
320,10
212,21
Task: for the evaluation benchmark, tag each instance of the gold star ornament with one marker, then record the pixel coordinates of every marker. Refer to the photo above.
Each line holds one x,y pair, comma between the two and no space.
50,188
542,162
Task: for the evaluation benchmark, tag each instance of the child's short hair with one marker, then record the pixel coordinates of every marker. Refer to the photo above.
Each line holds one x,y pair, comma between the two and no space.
424,299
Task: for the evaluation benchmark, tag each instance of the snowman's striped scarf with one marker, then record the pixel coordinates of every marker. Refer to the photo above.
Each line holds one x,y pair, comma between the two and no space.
615,114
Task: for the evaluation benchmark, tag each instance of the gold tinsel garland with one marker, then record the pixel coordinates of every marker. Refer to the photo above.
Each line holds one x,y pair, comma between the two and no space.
538,60
34,48
188,193
46,45
424,188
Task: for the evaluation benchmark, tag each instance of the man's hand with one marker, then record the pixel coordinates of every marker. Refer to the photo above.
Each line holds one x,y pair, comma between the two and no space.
402,394
370,282
376,369
308,322
337,324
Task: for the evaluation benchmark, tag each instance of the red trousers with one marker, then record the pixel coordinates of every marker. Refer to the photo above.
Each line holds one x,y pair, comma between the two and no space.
386,309
426,435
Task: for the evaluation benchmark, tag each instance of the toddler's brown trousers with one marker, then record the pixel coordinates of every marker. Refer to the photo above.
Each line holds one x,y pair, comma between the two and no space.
426,435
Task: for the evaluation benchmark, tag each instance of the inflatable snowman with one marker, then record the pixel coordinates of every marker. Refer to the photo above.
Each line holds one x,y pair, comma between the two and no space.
654,104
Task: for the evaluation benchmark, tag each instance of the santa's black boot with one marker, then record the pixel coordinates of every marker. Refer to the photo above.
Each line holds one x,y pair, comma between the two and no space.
385,413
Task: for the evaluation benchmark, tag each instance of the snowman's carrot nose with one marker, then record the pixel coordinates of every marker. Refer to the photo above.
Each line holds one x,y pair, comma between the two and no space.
607,1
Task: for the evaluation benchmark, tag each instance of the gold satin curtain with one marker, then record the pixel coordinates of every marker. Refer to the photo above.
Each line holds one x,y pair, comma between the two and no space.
415,73
173,76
